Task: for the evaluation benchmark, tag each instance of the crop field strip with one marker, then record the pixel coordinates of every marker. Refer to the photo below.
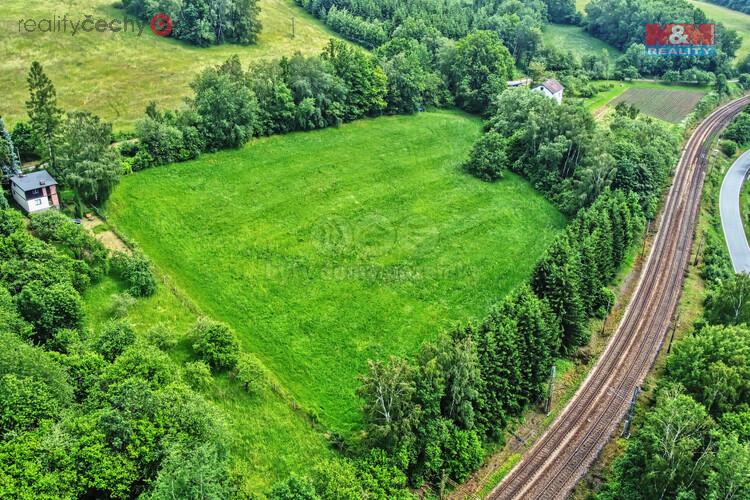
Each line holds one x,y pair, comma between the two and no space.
364,253
667,104
556,462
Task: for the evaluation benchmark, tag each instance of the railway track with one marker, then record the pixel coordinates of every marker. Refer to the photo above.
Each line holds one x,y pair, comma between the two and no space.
552,467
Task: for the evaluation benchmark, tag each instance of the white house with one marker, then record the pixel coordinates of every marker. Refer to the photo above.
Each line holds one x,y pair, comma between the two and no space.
35,192
551,88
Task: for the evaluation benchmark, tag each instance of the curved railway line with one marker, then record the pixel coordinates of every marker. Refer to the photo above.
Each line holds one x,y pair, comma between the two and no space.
552,467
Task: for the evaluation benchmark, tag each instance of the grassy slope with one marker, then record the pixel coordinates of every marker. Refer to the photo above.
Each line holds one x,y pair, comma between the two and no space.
268,441
325,249
574,38
732,19
115,75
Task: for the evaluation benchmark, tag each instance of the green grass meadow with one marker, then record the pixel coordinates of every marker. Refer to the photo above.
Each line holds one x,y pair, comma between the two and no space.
115,75
326,249
576,39
732,19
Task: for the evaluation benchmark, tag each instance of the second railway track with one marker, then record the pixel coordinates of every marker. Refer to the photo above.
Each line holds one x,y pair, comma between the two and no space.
551,468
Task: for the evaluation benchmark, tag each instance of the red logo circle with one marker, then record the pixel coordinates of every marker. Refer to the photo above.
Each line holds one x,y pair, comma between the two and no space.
161,24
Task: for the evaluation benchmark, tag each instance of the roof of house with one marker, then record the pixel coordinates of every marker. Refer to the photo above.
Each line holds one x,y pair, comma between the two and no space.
552,85
33,180
517,83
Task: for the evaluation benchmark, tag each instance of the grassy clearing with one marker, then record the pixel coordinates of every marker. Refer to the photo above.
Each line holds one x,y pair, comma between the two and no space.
574,38
732,19
668,105
115,75
268,441
328,248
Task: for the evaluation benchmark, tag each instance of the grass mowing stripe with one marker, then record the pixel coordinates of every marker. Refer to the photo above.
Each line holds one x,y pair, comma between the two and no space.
327,248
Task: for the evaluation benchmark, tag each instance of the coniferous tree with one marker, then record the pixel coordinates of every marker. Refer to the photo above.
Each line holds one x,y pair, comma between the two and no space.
557,278
43,111
9,162
538,341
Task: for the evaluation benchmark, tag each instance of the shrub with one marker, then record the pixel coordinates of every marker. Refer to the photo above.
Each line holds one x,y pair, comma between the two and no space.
739,130
162,337
10,222
249,372
121,303
135,269
728,147
198,375
64,341
488,159
50,308
115,337
129,149
56,227
216,344
23,140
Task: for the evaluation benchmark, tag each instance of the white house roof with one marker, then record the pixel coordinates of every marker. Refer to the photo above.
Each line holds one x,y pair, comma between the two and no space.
552,85
34,180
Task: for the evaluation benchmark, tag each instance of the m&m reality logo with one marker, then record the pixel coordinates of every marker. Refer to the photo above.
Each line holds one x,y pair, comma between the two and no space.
681,40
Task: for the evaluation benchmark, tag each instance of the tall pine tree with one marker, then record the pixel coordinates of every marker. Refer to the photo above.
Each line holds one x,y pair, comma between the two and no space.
557,278
43,111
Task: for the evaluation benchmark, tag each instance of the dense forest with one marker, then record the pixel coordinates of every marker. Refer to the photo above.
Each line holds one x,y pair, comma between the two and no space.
738,5
623,25
203,22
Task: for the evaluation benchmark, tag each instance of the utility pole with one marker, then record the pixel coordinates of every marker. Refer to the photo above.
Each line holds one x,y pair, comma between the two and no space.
606,314
675,324
293,28
626,428
548,405
700,247
645,238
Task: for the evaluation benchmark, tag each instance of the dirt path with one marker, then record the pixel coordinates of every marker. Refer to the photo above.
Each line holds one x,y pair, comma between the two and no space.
105,235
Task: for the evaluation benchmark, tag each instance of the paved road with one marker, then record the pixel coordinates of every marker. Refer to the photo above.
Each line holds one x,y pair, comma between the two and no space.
731,219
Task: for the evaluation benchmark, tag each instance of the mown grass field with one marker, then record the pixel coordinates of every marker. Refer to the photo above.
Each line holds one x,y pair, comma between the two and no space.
115,75
574,38
329,248
669,105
